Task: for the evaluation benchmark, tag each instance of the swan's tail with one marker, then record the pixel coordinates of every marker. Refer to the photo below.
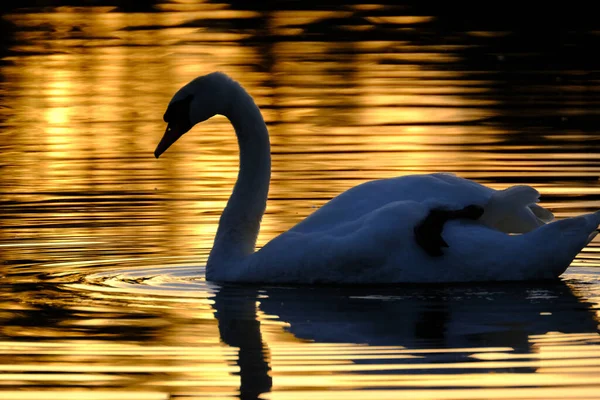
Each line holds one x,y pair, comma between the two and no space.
581,229
514,210
554,246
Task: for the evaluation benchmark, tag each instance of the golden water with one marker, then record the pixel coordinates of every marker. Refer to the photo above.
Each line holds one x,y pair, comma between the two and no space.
102,247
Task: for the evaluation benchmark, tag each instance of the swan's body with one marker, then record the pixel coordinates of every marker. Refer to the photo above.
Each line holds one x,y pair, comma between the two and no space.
367,234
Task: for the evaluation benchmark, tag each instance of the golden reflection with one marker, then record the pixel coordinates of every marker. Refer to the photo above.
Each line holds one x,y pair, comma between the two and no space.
84,395
282,19
444,394
404,19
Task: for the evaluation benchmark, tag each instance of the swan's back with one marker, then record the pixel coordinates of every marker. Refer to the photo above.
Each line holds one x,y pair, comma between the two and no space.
448,190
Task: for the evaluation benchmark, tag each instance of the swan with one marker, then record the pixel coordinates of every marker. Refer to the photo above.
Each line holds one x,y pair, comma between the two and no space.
412,229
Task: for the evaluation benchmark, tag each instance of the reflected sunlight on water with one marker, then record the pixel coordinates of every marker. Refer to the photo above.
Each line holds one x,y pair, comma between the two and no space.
102,288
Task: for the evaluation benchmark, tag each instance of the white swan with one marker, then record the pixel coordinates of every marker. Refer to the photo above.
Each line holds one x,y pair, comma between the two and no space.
384,231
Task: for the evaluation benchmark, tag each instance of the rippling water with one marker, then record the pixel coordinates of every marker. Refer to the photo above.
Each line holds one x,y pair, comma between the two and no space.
102,294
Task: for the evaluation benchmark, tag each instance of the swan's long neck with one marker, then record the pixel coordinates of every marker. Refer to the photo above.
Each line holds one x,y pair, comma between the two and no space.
240,221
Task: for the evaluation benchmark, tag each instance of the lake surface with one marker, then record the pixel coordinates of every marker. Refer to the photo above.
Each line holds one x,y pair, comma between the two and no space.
103,247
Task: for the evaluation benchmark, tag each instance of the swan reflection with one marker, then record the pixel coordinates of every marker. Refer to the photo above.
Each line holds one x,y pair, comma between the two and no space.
431,325
239,327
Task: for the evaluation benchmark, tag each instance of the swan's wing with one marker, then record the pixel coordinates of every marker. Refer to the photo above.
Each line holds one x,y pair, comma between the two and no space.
513,210
446,190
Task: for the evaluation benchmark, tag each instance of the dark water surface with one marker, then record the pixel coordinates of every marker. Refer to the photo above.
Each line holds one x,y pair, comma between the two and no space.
102,247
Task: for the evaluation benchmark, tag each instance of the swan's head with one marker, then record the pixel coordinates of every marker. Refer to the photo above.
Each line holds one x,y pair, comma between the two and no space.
199,100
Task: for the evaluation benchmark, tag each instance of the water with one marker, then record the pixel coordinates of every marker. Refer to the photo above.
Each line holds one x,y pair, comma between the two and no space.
102,294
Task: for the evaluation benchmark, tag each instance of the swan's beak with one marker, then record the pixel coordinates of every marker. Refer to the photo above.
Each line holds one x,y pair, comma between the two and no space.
171,135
